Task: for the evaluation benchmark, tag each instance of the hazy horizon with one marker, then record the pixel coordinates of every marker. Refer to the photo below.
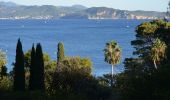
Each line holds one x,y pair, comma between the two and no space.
145,5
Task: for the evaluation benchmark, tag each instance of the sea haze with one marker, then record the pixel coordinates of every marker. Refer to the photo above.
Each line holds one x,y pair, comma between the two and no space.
85,38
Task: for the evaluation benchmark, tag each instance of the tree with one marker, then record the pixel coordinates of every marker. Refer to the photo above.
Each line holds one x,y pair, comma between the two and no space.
158,51
5,85
70,67
39,68
19,71
46,57
147,34
112,54
77,64
3,71
3,58
75,77
32,81
140,81
60,53
168,10
49,67
3,61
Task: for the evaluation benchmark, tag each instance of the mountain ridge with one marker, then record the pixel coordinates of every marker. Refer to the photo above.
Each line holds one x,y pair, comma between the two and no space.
10,10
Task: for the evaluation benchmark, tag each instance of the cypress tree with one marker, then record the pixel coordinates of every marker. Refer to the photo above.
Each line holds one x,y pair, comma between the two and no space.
32,81
19,71
60,53
40,68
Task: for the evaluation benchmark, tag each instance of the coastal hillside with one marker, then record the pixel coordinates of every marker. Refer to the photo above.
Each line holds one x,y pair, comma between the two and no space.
9,10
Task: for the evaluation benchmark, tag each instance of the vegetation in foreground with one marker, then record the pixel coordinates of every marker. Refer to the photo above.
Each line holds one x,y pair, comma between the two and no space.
146,77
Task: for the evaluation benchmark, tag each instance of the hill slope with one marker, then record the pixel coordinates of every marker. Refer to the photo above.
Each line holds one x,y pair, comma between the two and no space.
9,10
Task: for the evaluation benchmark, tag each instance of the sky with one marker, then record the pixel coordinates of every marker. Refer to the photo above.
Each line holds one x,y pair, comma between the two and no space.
148,5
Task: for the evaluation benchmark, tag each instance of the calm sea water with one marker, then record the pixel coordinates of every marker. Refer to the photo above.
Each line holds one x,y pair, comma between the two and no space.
85,38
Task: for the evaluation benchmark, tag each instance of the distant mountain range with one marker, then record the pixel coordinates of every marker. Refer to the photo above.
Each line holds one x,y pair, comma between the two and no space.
10,10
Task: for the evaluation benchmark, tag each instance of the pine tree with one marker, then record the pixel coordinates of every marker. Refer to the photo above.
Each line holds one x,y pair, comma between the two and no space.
19,71
32,81
40,68
168,10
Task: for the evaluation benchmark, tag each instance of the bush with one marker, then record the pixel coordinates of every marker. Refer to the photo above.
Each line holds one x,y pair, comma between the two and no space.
5,84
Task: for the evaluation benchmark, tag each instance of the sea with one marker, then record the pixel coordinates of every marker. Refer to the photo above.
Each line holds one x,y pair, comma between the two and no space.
81,37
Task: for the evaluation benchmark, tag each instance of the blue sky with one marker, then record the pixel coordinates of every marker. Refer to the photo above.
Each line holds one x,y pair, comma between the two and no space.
152,5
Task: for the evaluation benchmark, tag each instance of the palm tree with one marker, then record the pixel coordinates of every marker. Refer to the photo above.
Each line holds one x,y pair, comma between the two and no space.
112,54
158,50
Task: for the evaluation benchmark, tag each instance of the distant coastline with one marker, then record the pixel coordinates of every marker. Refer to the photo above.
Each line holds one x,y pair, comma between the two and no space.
90,18
14,11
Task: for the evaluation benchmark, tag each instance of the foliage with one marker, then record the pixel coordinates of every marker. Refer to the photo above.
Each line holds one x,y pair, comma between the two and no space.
158,51
5,84
3,58
83,65
112,53
147,35
78,83
135,82
3,71
146,29
19,71
49,67
140,81
168,10
27,57
39,70
32,69
60,53
3,61
105,80
74,81
75,77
